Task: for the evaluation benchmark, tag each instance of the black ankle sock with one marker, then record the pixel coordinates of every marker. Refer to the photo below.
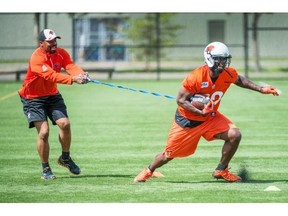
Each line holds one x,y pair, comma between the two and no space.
44,165
221,167
65,155
150,168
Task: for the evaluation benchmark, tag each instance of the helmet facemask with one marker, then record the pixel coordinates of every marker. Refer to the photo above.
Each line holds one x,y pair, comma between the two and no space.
220,63
217,56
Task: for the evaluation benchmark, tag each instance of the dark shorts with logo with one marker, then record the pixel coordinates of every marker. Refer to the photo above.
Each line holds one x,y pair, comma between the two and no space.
184,122
42,108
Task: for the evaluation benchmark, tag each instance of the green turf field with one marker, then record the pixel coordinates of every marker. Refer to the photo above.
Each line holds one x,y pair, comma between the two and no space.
116,133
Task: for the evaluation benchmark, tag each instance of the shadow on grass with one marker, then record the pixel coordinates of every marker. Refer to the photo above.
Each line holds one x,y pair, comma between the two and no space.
250,181
255,181
98,176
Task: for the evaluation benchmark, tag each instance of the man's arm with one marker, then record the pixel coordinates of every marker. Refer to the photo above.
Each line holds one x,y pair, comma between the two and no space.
183,100
246,83
75,71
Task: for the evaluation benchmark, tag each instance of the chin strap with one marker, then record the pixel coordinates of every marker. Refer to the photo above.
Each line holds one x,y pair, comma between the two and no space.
216,70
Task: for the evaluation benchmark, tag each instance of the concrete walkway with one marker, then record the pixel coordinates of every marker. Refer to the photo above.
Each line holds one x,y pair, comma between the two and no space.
7,71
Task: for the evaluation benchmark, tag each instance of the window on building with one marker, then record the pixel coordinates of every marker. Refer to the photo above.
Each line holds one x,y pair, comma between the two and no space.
100,39
216,30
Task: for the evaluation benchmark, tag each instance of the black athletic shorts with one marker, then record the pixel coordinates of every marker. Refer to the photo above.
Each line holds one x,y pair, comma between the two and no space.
184,122
38,109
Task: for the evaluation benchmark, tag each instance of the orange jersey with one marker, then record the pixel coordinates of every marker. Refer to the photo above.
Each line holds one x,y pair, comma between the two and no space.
44,72
198,81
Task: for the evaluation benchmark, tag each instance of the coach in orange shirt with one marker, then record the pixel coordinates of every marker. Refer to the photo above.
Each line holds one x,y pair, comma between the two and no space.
190,124
42,100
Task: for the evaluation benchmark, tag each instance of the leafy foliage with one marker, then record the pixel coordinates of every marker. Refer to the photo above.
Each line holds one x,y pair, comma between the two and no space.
143,32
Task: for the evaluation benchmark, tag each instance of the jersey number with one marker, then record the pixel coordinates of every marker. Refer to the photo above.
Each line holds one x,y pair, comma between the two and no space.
216,97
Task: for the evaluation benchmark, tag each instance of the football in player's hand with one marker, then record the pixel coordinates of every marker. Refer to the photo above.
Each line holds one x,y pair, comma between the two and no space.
199,101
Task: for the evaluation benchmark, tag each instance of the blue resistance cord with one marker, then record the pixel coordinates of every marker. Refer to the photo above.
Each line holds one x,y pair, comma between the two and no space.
132,89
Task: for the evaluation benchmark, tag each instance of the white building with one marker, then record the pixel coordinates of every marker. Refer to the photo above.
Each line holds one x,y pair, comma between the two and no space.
87,35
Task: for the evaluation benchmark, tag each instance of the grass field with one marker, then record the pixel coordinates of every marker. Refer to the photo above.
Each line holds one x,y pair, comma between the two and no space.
116,133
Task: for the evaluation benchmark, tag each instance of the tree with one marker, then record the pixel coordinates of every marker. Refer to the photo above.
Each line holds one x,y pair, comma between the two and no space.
36,27
146,35
256,17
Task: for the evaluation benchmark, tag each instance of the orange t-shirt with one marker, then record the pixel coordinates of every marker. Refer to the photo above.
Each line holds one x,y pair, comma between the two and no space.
44,72
198,81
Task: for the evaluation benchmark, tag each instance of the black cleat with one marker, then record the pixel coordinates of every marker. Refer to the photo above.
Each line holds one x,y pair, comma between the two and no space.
69,164
47,174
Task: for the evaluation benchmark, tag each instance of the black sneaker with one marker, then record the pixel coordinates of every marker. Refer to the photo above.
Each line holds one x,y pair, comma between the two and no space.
47,174
69,164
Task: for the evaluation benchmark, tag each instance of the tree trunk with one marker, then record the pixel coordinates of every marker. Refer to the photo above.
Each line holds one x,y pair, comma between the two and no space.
36,27
256,42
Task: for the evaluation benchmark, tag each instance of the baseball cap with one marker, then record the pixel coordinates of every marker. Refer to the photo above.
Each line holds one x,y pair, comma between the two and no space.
47,35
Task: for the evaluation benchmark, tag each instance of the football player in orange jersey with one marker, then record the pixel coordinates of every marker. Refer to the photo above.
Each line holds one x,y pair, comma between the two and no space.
42,100
190,124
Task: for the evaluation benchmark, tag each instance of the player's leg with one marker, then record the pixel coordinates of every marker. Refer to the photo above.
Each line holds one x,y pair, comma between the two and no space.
150,172
181,142
43,148
65,140
220,127
35,111
231,138
59,116
64,134
160,160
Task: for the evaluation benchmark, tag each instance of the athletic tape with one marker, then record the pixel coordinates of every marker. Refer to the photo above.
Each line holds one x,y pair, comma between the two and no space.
131,89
